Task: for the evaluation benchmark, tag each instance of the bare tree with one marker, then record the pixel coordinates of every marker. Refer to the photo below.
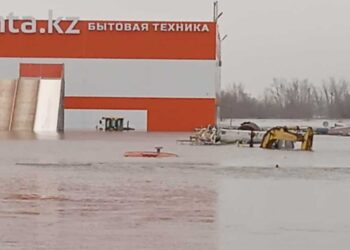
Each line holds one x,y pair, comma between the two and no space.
337,98
288,99
236,102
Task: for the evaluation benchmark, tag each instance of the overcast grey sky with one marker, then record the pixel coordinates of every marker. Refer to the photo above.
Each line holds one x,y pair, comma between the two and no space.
269,38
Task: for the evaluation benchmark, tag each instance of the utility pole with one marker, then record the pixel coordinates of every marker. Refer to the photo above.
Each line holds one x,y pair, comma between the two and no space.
216,16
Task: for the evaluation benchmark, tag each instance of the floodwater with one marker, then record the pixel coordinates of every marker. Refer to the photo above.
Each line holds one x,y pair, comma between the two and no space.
77,191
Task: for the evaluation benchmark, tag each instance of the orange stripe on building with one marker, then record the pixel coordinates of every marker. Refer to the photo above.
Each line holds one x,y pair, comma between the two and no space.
149,44
41,70
164,114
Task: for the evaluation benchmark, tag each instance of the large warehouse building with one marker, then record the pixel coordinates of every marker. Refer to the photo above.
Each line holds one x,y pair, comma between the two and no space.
160,76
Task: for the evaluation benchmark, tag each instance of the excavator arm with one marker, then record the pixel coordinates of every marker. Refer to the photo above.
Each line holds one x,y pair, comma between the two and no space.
308,139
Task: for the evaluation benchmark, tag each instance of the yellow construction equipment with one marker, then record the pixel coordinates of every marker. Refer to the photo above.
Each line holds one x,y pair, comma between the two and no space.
275,137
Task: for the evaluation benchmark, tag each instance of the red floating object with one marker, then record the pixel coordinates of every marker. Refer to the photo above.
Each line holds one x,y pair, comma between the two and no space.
147,154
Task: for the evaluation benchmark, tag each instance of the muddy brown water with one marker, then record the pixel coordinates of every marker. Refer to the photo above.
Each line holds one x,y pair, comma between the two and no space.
77,191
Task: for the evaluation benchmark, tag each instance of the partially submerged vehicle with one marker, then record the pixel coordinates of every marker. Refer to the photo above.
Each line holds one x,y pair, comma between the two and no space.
229,136
211,135
274,138
150,154
283,137
207,136
112,124
340,129
246,133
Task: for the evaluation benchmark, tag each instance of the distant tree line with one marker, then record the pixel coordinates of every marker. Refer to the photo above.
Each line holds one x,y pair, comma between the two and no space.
294,99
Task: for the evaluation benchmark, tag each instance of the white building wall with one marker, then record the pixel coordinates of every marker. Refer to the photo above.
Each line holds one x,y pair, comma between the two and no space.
130,78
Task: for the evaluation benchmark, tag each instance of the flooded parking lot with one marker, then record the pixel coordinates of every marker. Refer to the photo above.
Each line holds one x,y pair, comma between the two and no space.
77,191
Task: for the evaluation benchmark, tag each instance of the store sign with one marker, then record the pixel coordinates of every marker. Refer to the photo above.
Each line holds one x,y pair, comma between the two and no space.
144,27
29,25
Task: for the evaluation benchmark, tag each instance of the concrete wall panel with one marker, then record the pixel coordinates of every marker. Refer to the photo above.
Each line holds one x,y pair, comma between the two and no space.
25,105
7,94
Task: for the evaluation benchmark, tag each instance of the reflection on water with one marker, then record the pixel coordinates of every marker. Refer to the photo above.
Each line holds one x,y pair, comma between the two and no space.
25,135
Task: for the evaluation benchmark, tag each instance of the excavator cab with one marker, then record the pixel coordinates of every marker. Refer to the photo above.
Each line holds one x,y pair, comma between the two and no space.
276,137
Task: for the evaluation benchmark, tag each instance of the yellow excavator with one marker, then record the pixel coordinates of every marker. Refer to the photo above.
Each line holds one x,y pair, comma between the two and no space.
276,137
